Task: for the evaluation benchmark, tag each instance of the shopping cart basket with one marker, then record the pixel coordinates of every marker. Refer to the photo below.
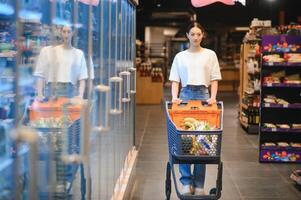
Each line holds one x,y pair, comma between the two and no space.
65,173
180,142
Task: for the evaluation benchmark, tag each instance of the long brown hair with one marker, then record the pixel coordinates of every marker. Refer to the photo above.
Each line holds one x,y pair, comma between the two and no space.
196,24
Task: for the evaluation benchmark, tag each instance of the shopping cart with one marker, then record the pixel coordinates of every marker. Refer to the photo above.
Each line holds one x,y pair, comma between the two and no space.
54,144
180,145
65,173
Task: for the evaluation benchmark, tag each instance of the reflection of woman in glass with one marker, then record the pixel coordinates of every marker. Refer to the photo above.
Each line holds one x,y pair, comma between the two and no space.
62,68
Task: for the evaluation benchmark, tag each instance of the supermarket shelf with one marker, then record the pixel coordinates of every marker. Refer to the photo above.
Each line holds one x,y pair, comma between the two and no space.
245,106
281,148
276,154
278,52
249,128
281,64
288,130
274,105
281,85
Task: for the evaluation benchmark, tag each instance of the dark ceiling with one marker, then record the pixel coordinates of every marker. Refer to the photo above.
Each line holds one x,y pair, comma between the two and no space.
214,16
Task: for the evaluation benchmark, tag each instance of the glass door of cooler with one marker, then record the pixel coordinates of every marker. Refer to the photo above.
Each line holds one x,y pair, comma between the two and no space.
103,145
8,52
21,23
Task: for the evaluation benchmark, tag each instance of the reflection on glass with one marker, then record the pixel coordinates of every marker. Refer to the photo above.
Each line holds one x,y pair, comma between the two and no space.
133,80
61,68
115,87
102,108
126,86
6,9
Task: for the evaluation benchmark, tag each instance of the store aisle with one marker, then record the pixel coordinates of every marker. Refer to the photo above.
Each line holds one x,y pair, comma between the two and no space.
244,177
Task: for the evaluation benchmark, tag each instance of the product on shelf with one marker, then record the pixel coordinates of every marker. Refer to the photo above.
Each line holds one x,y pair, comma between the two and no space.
274,100
146,68
156,74
295,145
271,79
283,144
293,57
270,99
281,47
269,125
273,58
284,126
292,79
296,126
281,101
269,144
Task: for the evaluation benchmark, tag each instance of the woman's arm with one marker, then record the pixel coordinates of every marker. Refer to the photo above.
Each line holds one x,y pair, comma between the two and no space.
40,88
175,91
81,89
214,87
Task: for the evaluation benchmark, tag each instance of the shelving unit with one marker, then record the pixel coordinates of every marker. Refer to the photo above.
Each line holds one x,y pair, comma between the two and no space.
7,83
280,106
249,87
229,61
149,77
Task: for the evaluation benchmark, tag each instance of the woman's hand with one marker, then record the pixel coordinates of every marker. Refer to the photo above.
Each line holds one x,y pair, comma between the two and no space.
176,100
39,98
211,101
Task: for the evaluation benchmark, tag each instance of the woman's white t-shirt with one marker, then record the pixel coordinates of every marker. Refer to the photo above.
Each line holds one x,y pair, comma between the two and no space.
59,64
195,68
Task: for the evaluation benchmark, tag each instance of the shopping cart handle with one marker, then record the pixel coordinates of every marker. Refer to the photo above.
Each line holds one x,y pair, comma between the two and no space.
192,105
205,103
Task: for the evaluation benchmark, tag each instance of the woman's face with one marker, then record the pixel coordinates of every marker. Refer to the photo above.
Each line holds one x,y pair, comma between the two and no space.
195,36
67,34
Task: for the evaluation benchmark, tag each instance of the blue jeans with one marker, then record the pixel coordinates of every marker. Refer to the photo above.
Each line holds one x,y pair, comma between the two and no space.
60,90
198,178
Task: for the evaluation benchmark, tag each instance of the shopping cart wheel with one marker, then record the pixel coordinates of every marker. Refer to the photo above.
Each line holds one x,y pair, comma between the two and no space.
168,181
213,191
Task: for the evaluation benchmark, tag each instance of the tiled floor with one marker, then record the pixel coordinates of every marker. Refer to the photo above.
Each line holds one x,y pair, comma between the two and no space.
244,177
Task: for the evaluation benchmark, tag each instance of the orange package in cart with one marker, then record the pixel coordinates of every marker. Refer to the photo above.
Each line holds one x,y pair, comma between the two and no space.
53,108
197,110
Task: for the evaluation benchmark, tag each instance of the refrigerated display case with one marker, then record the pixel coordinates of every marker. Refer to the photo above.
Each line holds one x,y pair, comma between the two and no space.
66,147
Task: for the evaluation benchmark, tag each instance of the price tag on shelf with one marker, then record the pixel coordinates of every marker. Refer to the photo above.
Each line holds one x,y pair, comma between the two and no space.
269,84
267,105
274,129
285,106
270,63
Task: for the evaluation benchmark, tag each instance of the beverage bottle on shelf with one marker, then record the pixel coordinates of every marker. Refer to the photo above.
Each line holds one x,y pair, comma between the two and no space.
250,118
254,115
142,71
257,116
156,75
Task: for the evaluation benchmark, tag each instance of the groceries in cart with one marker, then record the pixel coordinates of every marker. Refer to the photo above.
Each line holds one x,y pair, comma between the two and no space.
196,116
198,128
51,122
55,108
199,144
192,124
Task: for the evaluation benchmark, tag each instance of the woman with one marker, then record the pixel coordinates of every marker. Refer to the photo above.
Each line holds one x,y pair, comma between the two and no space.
196,69
62,67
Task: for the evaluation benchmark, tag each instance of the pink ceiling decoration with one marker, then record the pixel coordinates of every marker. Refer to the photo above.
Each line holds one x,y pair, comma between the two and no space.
201,3
90,2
